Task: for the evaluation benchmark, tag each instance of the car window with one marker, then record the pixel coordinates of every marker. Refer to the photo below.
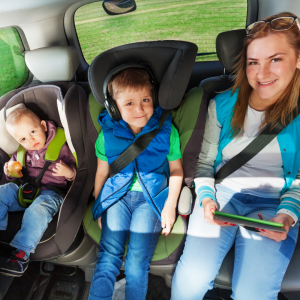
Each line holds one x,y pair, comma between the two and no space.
13,70
191,20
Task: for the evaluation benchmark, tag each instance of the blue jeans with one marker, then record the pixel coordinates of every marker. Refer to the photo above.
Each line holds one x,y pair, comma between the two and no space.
36,217
259,265
132,216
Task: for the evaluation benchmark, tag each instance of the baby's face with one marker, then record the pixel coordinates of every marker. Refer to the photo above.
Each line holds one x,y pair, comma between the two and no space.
30,133
136,108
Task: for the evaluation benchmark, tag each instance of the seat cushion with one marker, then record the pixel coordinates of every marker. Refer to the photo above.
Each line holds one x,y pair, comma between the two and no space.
291,280
168,249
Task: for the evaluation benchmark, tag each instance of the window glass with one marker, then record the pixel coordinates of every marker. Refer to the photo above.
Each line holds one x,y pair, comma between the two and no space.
13,71
190,20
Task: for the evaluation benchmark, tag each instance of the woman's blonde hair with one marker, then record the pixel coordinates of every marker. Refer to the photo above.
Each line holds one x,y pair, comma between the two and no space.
284,106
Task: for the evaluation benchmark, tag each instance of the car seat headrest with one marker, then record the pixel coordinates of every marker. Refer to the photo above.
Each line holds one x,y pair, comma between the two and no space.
7,142
46,101
57,63
229,44
171,63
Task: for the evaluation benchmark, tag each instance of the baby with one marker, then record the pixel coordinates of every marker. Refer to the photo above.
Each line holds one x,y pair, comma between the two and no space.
35,136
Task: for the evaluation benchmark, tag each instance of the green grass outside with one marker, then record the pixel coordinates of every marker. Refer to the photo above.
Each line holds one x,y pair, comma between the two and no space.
191,20
13,71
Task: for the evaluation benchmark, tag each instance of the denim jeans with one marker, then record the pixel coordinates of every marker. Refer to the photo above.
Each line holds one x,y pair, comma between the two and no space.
259,265
131,216
36,217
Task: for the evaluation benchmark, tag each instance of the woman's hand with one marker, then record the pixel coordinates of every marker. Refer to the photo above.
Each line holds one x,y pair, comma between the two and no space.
168,216
284,219
61,169
99,223
209,207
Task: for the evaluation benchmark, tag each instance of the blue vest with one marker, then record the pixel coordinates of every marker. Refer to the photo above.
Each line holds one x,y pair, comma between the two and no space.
151,165
288,138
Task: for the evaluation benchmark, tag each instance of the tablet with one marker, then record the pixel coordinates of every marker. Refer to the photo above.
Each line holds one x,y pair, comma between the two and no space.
249,223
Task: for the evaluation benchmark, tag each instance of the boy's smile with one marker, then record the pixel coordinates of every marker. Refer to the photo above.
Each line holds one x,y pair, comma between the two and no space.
136,108
30,133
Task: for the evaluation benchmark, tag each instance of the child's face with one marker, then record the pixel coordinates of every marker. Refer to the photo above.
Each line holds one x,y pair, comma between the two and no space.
30,133
136,108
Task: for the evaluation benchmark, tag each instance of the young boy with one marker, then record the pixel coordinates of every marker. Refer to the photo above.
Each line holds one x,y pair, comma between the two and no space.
35,136
137,201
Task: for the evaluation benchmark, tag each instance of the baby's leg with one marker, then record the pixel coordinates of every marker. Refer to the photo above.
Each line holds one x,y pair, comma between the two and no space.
115,229
8,202
145,229
36,219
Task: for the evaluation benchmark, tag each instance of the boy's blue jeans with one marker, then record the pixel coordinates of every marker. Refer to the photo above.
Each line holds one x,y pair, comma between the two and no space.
259,264
36,217
131,216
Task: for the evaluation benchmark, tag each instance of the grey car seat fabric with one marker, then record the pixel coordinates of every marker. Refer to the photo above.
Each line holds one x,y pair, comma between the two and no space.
228,46
64,103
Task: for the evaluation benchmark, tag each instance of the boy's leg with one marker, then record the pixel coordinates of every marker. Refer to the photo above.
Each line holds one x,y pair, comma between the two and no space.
145,229
115,229
36,219
8,202
260,263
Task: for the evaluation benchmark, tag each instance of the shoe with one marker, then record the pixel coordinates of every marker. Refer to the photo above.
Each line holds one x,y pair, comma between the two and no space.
16,265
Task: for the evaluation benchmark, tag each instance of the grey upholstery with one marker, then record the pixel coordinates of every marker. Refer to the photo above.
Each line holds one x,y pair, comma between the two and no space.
53,63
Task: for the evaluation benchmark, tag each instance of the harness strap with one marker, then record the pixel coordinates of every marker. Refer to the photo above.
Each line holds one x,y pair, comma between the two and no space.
40,176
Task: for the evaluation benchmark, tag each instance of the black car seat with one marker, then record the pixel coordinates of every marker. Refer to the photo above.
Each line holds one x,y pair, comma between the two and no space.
228,47
64,103
230,43
171,62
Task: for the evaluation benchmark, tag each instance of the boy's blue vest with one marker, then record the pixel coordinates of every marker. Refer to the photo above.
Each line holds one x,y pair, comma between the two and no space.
151,165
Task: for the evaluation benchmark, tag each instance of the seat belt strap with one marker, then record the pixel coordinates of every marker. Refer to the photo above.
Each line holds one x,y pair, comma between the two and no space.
260,142
134,150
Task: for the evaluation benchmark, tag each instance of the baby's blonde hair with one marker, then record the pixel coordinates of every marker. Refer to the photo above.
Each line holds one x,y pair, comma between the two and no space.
16,116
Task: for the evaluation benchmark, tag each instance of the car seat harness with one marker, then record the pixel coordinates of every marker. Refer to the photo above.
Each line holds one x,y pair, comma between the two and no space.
31,188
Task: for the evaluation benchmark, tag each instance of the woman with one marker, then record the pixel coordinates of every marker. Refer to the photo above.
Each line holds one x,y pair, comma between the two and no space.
266,91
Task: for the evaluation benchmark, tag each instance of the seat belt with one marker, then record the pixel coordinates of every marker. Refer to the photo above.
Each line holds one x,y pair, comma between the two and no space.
260,142
134,150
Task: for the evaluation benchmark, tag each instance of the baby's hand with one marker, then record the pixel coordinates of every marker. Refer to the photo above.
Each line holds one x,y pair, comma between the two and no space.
168,216
6,169
61,169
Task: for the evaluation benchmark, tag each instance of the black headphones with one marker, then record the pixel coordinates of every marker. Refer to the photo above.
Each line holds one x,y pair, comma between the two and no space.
109,102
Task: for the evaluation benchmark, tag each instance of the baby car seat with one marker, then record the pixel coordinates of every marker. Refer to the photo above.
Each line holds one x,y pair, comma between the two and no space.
64,103
171,63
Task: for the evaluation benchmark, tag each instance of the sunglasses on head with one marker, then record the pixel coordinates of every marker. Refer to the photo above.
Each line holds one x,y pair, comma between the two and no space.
278,24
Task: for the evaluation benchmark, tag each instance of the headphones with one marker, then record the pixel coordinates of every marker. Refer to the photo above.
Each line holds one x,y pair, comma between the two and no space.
110,104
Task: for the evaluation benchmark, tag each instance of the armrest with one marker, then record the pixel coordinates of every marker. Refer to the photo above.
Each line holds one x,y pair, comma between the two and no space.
185,201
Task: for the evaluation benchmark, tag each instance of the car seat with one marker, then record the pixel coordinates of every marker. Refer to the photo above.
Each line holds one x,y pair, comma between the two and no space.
64,103
228,47
171,62
230,43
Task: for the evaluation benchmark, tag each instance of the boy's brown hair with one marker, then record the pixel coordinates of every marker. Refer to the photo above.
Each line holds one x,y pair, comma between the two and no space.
16,116
132,79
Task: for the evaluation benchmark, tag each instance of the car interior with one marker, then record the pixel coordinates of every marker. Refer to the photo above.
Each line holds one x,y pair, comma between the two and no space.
53,75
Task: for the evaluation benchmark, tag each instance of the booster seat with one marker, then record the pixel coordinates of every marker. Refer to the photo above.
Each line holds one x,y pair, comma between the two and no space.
171,63
65,104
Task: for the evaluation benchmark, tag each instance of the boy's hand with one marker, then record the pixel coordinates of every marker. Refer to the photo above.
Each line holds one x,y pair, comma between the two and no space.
99,223
209,207
61,169
168,216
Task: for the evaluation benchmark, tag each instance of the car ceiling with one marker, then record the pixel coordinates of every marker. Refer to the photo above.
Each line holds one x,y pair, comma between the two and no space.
18,12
